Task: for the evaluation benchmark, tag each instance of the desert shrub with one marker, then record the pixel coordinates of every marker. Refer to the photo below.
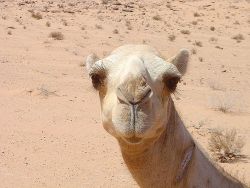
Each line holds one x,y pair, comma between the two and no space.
115,31
212,28
36,15
98,26
104,2
222,103
215,85
128,25
45,92
157,17
238,37
48,24
194,22
198,43
196,14
172,37
225,145
201,59
213,39
56,35
193,51
185,32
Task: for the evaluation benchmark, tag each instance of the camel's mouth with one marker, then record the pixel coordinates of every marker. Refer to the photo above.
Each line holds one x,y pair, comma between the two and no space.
133,140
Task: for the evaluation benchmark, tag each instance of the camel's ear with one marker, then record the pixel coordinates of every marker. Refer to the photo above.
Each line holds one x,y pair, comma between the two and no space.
96,70
90,61
180,60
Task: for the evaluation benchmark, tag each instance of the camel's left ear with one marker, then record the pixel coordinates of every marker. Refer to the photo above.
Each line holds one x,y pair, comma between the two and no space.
180,60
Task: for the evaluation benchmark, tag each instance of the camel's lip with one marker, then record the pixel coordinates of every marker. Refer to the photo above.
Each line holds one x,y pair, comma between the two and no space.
133,140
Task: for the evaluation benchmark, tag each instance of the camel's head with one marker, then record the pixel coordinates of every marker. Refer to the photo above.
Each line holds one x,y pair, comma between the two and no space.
134,93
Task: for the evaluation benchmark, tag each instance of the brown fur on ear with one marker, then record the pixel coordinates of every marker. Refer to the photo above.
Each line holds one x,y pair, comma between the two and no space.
171,82
98,76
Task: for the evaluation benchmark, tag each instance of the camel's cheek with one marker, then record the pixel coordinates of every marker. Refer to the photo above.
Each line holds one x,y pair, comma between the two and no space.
121,120
151,118
107,105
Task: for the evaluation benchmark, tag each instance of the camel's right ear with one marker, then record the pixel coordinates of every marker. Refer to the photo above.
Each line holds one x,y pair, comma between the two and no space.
96,70
90,60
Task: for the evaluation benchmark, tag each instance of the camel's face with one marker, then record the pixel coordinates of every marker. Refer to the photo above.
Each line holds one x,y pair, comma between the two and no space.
134,95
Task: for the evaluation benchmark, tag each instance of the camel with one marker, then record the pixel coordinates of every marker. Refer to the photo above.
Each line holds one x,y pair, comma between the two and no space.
135,85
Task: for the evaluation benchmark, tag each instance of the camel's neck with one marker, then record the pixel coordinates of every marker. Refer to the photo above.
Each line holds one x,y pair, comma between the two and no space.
159,165
162,164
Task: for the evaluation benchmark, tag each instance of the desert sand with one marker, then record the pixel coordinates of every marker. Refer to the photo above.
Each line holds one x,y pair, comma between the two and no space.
50,127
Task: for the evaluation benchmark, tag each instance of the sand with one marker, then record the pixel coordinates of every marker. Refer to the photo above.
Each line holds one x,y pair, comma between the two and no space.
50,129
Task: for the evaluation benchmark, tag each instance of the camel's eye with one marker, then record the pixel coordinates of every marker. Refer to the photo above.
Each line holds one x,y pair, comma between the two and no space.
98,80
171,83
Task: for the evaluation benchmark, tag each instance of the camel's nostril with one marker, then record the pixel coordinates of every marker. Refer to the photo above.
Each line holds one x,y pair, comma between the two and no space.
148,93
121,98
140,96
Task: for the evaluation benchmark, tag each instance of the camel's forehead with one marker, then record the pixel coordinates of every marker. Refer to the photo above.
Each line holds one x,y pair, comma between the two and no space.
132,66
129,69
121,68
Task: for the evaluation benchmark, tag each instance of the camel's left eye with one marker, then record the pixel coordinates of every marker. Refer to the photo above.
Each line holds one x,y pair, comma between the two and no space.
171,83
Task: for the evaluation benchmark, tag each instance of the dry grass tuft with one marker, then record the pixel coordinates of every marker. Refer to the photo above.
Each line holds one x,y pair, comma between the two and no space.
98,26
172,37
198,43
212,28
215,85
45,92
225,145
169,5
194,22
196,14
65,23
48,24
193,51
238,37
157,17
185,32
128,25
115,31
104,2
56,35
213,39
201,59
82,64
236,23
223,103
37,15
